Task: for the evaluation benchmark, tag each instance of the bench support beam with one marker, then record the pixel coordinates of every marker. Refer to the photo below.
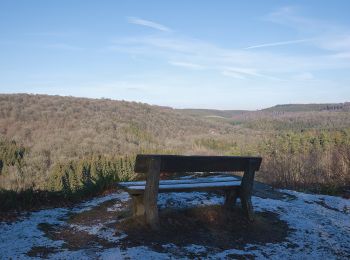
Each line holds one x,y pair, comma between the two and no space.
138,207
151,193
245,192
230,198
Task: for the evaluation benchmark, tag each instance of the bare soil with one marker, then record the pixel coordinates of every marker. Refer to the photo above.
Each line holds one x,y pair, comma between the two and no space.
213,227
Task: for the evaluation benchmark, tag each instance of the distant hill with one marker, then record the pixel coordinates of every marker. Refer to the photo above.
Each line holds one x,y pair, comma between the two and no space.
212,112
229,114
309,107
103,125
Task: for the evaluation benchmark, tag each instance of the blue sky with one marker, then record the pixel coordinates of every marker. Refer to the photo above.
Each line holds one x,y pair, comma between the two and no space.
202,54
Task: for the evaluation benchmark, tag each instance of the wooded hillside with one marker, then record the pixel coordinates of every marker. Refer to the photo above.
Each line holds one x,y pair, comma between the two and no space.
68,144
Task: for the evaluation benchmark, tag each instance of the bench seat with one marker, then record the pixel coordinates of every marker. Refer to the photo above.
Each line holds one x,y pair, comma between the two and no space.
185,185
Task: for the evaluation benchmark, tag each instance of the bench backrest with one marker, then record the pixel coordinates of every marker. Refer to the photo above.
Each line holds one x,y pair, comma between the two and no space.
181,163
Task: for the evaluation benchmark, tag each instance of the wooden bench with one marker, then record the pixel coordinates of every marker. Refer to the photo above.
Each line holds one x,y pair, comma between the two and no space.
145,193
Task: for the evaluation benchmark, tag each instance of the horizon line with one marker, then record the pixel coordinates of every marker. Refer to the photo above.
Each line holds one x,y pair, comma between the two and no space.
167,106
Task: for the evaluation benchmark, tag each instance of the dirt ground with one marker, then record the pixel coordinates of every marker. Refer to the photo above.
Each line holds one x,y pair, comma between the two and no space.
212,226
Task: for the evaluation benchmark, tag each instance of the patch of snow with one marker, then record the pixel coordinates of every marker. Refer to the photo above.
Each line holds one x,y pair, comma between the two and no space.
180,252
88,205
82,254
330,202
99,230
19,237
319,232
195,249
139,252
116,207
226,254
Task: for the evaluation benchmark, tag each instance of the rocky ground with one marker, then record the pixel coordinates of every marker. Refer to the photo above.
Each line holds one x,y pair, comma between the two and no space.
288,225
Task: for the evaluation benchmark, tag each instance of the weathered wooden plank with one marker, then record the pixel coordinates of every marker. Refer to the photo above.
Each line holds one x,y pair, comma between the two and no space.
180,163
246,190
247,207
231,196
182,181
151,193
187,187
138,206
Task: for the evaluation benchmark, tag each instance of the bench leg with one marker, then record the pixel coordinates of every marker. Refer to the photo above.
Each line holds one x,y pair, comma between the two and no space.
138,208
246,190
151,193
230,198
247,207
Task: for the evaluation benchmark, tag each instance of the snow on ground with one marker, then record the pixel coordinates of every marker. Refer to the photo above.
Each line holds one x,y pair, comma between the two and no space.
19,237
321,229
85,206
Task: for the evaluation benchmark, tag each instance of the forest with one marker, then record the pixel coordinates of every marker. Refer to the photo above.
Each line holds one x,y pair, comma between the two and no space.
65,147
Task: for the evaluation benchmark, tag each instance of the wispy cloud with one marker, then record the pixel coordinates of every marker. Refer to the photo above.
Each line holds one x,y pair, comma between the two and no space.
235,63
247,64
325,35
187,65
148,23
232,74
272,44
248,72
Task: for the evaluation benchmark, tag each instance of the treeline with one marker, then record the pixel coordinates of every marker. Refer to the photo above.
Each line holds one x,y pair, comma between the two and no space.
313,160
309,107
317,160
296,121
93,174
11,154
71,177
70,180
